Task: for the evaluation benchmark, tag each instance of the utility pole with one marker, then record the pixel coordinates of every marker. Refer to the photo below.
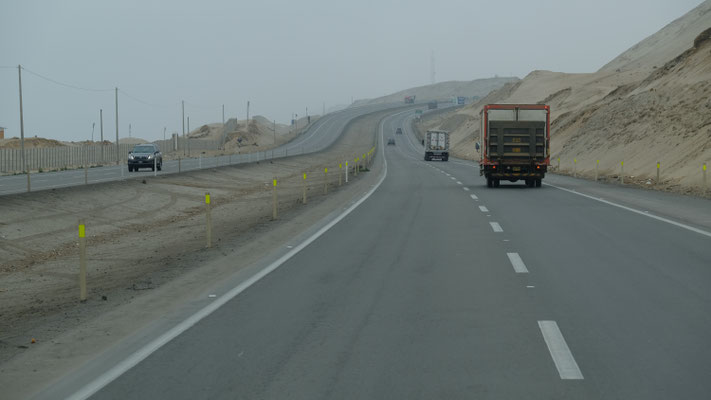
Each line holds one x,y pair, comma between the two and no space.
118,150
296,122
188,136
22,125
101,128
183,127
129,130
93,125
224,133
248,112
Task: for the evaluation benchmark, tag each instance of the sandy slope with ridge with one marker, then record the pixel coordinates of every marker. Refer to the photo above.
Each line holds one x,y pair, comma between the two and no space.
643,107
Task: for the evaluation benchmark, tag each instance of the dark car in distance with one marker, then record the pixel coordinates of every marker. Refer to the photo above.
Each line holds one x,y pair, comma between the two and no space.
145,156
391,142
398,131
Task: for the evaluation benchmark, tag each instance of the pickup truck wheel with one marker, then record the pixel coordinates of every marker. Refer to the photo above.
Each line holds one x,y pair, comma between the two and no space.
538,183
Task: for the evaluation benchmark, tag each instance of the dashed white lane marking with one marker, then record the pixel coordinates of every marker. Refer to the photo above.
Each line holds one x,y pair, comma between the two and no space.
473,196
459,183
466,188
530,287
562,357
680,225
452,178
517,263
483,209
496,227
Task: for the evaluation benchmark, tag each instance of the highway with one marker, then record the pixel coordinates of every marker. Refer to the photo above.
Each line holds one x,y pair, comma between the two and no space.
320,135
435,287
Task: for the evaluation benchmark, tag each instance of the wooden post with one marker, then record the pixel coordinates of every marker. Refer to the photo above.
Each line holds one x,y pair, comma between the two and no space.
304,198
274,200
208,221
82,261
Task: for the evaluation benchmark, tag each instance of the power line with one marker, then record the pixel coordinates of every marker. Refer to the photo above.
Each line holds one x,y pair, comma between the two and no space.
145,102
65,84
203,106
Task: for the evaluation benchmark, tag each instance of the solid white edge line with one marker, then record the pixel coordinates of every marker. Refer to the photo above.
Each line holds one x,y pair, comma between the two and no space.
558,348
496,227
517,263
668,221
138,356
483,209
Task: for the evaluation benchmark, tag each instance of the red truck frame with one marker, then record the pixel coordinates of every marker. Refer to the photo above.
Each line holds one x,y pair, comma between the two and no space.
497,167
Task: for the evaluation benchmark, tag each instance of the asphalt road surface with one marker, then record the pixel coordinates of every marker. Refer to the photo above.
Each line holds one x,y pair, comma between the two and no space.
436,287
318,137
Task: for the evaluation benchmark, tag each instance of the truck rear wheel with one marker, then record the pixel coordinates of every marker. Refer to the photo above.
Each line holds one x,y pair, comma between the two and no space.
538,183
489,182
496,183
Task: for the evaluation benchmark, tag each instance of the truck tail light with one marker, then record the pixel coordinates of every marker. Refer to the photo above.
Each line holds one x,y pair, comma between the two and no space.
538,167
494,167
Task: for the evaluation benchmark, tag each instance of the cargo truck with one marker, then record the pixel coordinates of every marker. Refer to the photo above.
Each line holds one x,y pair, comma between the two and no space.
409,99
436,145
515,143
432,105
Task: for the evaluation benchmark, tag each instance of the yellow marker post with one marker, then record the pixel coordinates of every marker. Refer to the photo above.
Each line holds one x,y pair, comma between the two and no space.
325,181
346,171
558,164
208,220
340,174
356,167
597,165
303,201
82,260
274,200
659,165
575,168
622,172
704,169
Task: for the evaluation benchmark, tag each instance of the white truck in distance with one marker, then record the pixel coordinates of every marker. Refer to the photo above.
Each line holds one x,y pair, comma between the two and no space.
436,145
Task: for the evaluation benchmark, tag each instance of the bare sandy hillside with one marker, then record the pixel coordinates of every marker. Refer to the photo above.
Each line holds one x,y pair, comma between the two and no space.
639,116
14,143
259,132
444,90
666,44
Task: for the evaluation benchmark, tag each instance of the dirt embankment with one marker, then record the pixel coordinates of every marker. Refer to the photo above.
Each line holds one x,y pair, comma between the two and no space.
143,234
629,118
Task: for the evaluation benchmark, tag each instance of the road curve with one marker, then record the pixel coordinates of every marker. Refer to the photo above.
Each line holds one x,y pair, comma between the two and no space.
437,287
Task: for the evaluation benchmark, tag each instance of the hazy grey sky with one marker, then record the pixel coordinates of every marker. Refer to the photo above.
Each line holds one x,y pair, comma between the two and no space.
282,55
